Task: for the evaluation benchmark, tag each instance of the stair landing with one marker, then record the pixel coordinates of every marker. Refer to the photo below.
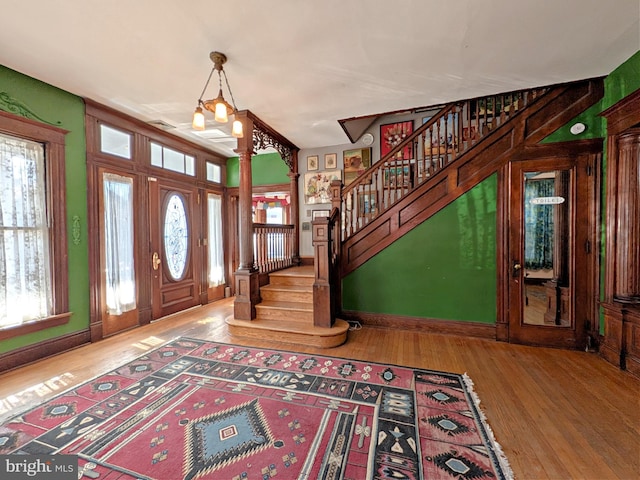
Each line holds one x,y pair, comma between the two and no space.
286,313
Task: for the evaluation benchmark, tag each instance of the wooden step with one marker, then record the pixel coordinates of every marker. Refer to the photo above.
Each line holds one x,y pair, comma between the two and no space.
293,276
287,293
290,332
298,312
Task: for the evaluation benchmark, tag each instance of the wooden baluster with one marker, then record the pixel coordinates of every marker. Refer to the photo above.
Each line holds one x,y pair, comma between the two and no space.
474,116
271,250
258,251
454,135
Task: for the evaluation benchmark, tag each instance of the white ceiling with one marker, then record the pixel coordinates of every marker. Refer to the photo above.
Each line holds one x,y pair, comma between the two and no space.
303,65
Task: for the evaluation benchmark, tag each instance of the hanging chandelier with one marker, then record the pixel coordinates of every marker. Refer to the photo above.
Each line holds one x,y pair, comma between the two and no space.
220,108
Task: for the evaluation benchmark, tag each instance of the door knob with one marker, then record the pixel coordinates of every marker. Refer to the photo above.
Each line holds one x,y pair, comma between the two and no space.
156,260
516,269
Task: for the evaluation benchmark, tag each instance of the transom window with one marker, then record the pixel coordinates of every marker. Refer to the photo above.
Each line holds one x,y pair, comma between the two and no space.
214,172
167,158
115,142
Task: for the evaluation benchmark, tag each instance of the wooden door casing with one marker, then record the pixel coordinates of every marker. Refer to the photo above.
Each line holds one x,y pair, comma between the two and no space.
580,241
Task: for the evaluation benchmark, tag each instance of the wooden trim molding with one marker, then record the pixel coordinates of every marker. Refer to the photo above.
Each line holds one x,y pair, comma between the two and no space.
31,353
35,326
426,325
53,139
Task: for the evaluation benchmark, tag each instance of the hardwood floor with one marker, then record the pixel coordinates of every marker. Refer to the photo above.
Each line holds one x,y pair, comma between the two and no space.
557,414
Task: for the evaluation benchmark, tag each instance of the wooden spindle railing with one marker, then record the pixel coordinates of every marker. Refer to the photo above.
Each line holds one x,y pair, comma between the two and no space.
273,246
453,131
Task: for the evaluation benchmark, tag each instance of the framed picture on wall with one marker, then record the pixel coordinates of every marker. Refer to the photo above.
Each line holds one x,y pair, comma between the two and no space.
442,137
356,161
330,161
391,135
317,186
397,177
312,162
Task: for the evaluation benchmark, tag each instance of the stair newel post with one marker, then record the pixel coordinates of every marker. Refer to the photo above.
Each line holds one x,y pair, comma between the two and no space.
246,277
322,233
336,194
336,248
321,287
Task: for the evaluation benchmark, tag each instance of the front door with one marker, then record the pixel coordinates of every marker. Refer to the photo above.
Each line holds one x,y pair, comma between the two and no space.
549,251
174,253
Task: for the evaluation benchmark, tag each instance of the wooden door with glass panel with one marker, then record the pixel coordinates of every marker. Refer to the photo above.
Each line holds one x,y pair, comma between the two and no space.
118,299
548,239
174,256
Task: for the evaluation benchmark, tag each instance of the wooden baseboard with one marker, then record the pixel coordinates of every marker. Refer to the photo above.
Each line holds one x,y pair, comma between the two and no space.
38,351
306,261
431,325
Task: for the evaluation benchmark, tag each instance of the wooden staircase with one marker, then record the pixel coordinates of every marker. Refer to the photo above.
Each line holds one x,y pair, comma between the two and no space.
286,313
444,160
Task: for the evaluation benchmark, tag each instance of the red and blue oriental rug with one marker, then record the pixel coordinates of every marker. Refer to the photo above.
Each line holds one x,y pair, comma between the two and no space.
196,409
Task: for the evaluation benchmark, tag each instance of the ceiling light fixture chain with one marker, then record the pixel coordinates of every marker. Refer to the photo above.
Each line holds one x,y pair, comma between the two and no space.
218,106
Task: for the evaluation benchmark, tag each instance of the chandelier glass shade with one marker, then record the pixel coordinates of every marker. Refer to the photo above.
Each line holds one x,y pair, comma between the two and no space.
220,108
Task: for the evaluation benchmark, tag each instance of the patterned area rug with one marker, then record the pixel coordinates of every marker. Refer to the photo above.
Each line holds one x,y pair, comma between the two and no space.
196,409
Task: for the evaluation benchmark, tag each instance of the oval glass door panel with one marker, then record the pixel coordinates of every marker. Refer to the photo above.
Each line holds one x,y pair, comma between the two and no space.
175,236
546,248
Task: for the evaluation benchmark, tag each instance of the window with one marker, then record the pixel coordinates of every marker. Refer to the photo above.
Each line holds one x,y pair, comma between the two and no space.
115,142
213,172
176,236
119,246
32,227
173,160
216,250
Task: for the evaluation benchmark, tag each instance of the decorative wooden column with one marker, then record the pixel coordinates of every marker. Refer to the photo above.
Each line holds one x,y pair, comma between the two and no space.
246,277
621,303
295,207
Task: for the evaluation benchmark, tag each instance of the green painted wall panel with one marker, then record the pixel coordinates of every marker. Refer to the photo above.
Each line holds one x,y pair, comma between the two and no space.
618,84
266,169
65,110
445,268
623,81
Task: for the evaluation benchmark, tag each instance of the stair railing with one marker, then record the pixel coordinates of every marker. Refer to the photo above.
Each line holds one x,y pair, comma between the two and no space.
272,246
415,158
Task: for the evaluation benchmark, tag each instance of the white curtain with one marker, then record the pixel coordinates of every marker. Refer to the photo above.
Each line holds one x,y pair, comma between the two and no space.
25,273
118,232
216,253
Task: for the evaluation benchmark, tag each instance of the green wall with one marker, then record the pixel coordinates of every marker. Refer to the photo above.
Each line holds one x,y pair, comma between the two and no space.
618,84
445,268
266,169
30,98
623,81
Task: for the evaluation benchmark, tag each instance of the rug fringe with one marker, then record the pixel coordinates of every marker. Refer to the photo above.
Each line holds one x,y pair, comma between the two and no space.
502,458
